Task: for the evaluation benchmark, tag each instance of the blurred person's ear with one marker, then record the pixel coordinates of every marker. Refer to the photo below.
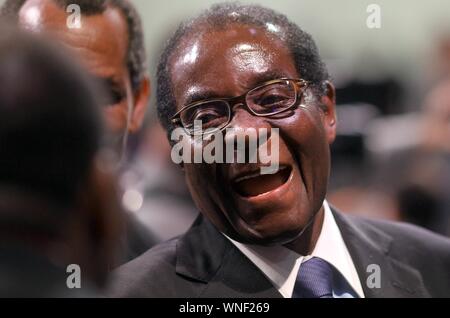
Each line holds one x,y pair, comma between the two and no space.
328,103
141,100
100,226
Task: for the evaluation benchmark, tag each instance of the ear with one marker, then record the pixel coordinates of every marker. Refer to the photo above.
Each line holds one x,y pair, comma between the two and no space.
141,100
328,102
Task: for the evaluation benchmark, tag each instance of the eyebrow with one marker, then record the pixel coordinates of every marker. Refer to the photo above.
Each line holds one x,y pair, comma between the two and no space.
108,83
199,96
255,81
265,77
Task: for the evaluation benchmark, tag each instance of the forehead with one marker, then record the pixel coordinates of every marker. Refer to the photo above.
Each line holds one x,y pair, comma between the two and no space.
101,42
225,61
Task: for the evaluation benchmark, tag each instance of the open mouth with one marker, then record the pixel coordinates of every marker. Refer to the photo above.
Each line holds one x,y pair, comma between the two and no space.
254,184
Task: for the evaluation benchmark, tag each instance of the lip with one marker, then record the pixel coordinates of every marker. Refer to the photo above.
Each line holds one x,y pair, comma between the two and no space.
265,195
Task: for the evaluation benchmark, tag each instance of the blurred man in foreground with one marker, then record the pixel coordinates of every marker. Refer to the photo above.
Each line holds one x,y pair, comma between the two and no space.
57,208
238,69
109,42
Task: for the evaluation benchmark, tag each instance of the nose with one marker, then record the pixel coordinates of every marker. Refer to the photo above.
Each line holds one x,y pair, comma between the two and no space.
243,119
245,134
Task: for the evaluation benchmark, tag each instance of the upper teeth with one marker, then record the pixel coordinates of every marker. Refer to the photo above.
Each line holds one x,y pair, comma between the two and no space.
249,176
253,175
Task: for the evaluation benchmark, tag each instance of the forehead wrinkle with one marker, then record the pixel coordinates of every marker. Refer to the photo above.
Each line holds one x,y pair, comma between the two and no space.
95,29
250,55
247,57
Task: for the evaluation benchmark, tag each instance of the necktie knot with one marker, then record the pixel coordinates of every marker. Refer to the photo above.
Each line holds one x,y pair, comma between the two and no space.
314,279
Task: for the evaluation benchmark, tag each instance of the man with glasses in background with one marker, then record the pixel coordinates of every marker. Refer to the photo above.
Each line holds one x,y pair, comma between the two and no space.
109,43
268,234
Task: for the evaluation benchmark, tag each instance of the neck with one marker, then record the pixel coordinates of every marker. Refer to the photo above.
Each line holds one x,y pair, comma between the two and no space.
304,244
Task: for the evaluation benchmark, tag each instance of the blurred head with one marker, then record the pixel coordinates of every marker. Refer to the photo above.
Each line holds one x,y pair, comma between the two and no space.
224,53
108,42
51,189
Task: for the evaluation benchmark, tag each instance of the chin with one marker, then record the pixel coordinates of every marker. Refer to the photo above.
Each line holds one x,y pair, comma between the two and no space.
270,231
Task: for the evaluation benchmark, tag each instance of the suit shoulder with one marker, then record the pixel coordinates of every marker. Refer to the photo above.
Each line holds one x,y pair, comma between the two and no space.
142,276
410,237
424,251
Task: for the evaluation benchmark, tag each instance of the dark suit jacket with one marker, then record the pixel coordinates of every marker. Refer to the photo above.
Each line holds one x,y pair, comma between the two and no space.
203,263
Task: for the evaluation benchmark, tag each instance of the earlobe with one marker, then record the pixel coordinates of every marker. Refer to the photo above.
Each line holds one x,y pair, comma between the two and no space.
141,99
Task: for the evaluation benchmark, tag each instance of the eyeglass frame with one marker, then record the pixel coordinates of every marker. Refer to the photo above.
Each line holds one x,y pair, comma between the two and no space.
242,100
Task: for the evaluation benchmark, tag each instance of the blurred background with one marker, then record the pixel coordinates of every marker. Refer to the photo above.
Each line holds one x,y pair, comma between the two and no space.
391,159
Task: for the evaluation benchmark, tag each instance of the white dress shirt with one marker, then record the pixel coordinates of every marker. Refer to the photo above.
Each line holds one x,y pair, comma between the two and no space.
281,265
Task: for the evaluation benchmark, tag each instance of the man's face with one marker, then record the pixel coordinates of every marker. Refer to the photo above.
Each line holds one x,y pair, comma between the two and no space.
101,44
261,209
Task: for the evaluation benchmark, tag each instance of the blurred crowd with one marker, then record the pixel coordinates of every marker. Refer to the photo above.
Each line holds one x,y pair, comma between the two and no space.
398,153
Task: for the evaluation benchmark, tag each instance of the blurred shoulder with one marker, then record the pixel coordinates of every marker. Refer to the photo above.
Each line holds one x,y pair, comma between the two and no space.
147,274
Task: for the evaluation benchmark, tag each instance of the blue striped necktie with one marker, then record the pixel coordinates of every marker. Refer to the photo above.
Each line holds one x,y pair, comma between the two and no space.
314,280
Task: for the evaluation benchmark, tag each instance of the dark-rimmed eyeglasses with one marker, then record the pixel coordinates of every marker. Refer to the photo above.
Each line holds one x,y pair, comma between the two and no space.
269,99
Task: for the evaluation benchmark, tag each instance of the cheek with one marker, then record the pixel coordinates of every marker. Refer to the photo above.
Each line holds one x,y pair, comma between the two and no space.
116,117
201,178
204,190
306,138
305,133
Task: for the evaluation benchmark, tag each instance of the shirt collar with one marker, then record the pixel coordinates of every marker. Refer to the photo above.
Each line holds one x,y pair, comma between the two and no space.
280,264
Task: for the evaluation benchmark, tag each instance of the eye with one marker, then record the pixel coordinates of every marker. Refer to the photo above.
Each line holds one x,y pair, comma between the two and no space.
206,115
211,115
114,97
211,118
111,98
272,102
113,92
273,99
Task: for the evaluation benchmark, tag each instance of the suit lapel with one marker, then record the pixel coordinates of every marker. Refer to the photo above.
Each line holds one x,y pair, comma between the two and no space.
368,246
206,256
